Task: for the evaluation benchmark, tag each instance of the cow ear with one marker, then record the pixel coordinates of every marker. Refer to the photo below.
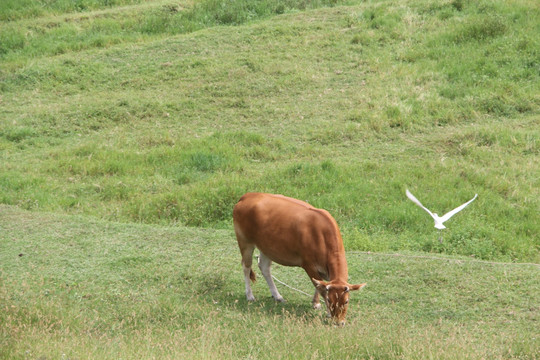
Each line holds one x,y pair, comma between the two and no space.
357,287
320,284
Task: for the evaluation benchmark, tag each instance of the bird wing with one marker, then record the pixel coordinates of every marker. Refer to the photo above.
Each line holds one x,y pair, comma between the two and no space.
415,200
449,214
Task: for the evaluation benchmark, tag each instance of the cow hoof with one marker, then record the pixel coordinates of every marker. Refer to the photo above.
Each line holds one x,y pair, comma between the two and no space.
251,298
317,306
279,299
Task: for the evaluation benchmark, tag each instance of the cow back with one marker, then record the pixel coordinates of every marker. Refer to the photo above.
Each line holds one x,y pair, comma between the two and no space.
289,231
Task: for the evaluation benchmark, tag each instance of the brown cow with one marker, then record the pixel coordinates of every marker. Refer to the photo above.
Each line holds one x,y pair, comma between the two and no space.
294,233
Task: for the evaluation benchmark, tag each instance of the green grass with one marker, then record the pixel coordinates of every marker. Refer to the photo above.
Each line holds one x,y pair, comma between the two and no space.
342,106
77,287
129,129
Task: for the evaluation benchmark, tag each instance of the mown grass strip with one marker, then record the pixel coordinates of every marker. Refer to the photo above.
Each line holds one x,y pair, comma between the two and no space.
92,27
76,287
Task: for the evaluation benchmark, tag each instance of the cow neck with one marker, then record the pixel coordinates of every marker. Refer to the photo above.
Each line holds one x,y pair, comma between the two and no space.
337,267
336,261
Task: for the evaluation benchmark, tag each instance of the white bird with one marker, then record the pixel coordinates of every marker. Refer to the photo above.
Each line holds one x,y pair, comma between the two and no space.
439,219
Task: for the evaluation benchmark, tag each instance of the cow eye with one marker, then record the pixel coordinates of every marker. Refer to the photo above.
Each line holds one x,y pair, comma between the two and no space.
346,302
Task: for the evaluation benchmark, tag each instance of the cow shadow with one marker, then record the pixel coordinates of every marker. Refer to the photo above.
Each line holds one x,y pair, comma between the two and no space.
218,290
300,308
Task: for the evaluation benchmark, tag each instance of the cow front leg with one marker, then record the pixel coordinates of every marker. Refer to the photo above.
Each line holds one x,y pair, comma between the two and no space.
314,274
316,303
264,265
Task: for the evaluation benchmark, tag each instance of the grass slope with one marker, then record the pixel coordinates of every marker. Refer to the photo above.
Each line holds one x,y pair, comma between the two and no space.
344,107
76,287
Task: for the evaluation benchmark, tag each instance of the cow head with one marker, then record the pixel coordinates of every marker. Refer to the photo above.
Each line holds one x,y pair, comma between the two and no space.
336,297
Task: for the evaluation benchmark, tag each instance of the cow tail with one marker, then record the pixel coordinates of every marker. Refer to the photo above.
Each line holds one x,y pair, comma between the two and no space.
252,276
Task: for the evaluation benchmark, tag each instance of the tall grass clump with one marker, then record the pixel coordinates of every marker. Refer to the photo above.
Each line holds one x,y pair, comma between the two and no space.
235,12
208,13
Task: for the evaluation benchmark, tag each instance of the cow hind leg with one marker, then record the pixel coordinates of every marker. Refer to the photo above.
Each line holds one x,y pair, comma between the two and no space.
248,276
246,250
264,264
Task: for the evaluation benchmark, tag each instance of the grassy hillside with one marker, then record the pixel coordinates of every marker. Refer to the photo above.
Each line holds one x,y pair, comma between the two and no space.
79,288
163,113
